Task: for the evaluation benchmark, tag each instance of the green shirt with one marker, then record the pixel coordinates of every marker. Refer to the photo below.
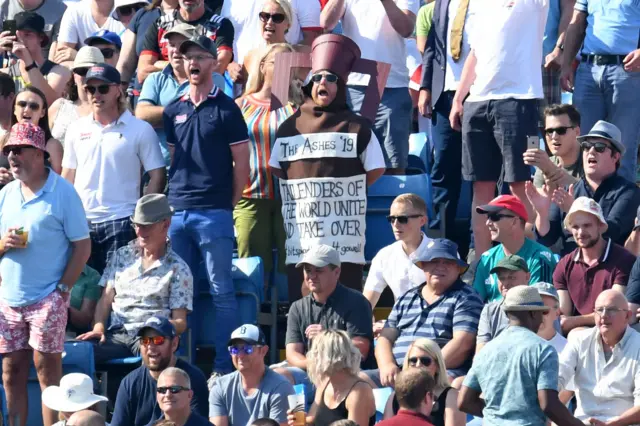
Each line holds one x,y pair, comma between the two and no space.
539,259
85,288
424,19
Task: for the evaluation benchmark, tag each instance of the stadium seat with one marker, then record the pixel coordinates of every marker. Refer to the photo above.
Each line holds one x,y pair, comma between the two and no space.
381,195
419,152
381,397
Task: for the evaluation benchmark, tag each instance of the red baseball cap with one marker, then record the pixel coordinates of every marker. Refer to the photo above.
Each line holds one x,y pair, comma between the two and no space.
509,202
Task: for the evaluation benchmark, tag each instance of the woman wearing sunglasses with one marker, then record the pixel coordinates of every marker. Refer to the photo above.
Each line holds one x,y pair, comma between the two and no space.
75,104
257,215
31,106
425,354
275,20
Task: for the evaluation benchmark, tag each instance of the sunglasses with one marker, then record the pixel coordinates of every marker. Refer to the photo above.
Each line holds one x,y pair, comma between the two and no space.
402,219
562,130
103,89
495,217
598,146
16,150
156,340
247,349
424,361
127,10
107,52
173,389
81,71
277,18
331,78
31,105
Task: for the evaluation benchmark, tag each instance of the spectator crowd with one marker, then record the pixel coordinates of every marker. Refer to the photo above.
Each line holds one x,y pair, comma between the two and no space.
144,145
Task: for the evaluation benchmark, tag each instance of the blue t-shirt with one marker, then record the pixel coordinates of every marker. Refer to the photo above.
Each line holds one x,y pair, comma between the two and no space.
201,174
509,371
228,398
162,88
613,26
54,218
550,37
137,405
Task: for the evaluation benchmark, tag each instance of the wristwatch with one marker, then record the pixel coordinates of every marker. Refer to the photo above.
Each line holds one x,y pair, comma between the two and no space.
62,288
32,66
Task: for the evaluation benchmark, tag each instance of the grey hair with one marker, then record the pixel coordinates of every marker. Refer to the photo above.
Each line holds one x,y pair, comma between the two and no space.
332,351
178,372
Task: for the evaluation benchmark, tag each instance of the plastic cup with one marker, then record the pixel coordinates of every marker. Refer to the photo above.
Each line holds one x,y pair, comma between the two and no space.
296,404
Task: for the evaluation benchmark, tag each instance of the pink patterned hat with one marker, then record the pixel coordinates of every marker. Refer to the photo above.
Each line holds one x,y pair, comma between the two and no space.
25,134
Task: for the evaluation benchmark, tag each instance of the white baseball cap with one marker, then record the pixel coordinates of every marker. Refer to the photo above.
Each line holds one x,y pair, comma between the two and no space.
75,393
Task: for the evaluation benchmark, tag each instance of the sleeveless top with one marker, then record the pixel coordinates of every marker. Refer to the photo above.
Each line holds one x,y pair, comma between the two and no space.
262,124
67,114
325,415
437,413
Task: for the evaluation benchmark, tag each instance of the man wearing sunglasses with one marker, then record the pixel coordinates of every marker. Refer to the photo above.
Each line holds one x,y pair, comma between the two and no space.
104,154
597,262
619,198
137,401
443,309
109,44
174,395
124,10
506,217
564,167
254,390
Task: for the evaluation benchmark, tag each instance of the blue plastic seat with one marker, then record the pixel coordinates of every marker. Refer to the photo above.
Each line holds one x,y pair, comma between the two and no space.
419,152
381,396
381,195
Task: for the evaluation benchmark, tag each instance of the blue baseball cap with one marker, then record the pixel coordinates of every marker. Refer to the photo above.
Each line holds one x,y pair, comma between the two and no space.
104,36
440,248
160,324
103,72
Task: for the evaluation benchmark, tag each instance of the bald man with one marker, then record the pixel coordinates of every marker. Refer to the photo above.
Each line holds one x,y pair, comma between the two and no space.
604,362
86,418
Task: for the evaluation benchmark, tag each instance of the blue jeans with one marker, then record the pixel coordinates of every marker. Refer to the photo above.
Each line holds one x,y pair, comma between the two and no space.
608,92
446,176
208,235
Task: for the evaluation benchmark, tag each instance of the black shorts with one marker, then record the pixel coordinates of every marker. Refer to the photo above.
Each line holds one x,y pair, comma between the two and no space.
494,136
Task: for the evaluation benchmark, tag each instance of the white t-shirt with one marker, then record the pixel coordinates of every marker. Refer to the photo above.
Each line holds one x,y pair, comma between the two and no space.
366,22
558,342
507,39
394,268
77,23
453,70
248,27
107,161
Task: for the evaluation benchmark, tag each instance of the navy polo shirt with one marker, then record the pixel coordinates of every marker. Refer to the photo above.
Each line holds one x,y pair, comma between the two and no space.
201,173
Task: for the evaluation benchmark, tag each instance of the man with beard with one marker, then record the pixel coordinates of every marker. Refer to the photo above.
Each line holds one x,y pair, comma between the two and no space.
42,223
136,403
207,139
597,264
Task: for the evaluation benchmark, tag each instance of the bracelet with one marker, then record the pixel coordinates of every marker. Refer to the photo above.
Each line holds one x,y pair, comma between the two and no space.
32,66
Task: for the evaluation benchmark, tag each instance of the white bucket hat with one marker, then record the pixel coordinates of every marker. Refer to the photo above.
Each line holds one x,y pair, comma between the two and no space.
587,205
75,393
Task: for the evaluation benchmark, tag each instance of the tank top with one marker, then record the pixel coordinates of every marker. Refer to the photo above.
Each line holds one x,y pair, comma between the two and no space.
67,114
437,413
262,124
325,415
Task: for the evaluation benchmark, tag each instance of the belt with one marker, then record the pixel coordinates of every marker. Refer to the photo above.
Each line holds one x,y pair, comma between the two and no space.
603,59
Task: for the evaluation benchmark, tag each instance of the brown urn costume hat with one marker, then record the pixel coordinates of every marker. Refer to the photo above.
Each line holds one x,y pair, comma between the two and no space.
341,56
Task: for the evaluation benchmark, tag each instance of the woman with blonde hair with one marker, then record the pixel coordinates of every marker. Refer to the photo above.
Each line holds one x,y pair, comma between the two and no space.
425,353
333,364
257,216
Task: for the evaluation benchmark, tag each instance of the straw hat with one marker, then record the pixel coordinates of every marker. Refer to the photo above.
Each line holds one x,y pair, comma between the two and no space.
523,298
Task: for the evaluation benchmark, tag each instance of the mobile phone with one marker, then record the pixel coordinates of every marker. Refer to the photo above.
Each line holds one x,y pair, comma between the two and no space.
9,25
533,142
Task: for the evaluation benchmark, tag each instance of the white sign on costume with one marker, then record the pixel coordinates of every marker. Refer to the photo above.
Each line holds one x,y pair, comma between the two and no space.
325,211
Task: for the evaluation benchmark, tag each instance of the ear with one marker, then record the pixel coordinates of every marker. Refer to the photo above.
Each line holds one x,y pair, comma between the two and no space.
175,342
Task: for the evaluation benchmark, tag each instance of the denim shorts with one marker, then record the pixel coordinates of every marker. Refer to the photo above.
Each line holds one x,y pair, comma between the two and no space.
392,124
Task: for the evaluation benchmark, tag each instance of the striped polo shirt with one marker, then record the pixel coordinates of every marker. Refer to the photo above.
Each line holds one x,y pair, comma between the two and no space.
458,309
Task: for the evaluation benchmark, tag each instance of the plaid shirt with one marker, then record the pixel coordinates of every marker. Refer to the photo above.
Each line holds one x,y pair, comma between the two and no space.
458,309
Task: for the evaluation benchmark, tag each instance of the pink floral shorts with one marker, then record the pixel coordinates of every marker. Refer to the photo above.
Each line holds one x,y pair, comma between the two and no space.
40,326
